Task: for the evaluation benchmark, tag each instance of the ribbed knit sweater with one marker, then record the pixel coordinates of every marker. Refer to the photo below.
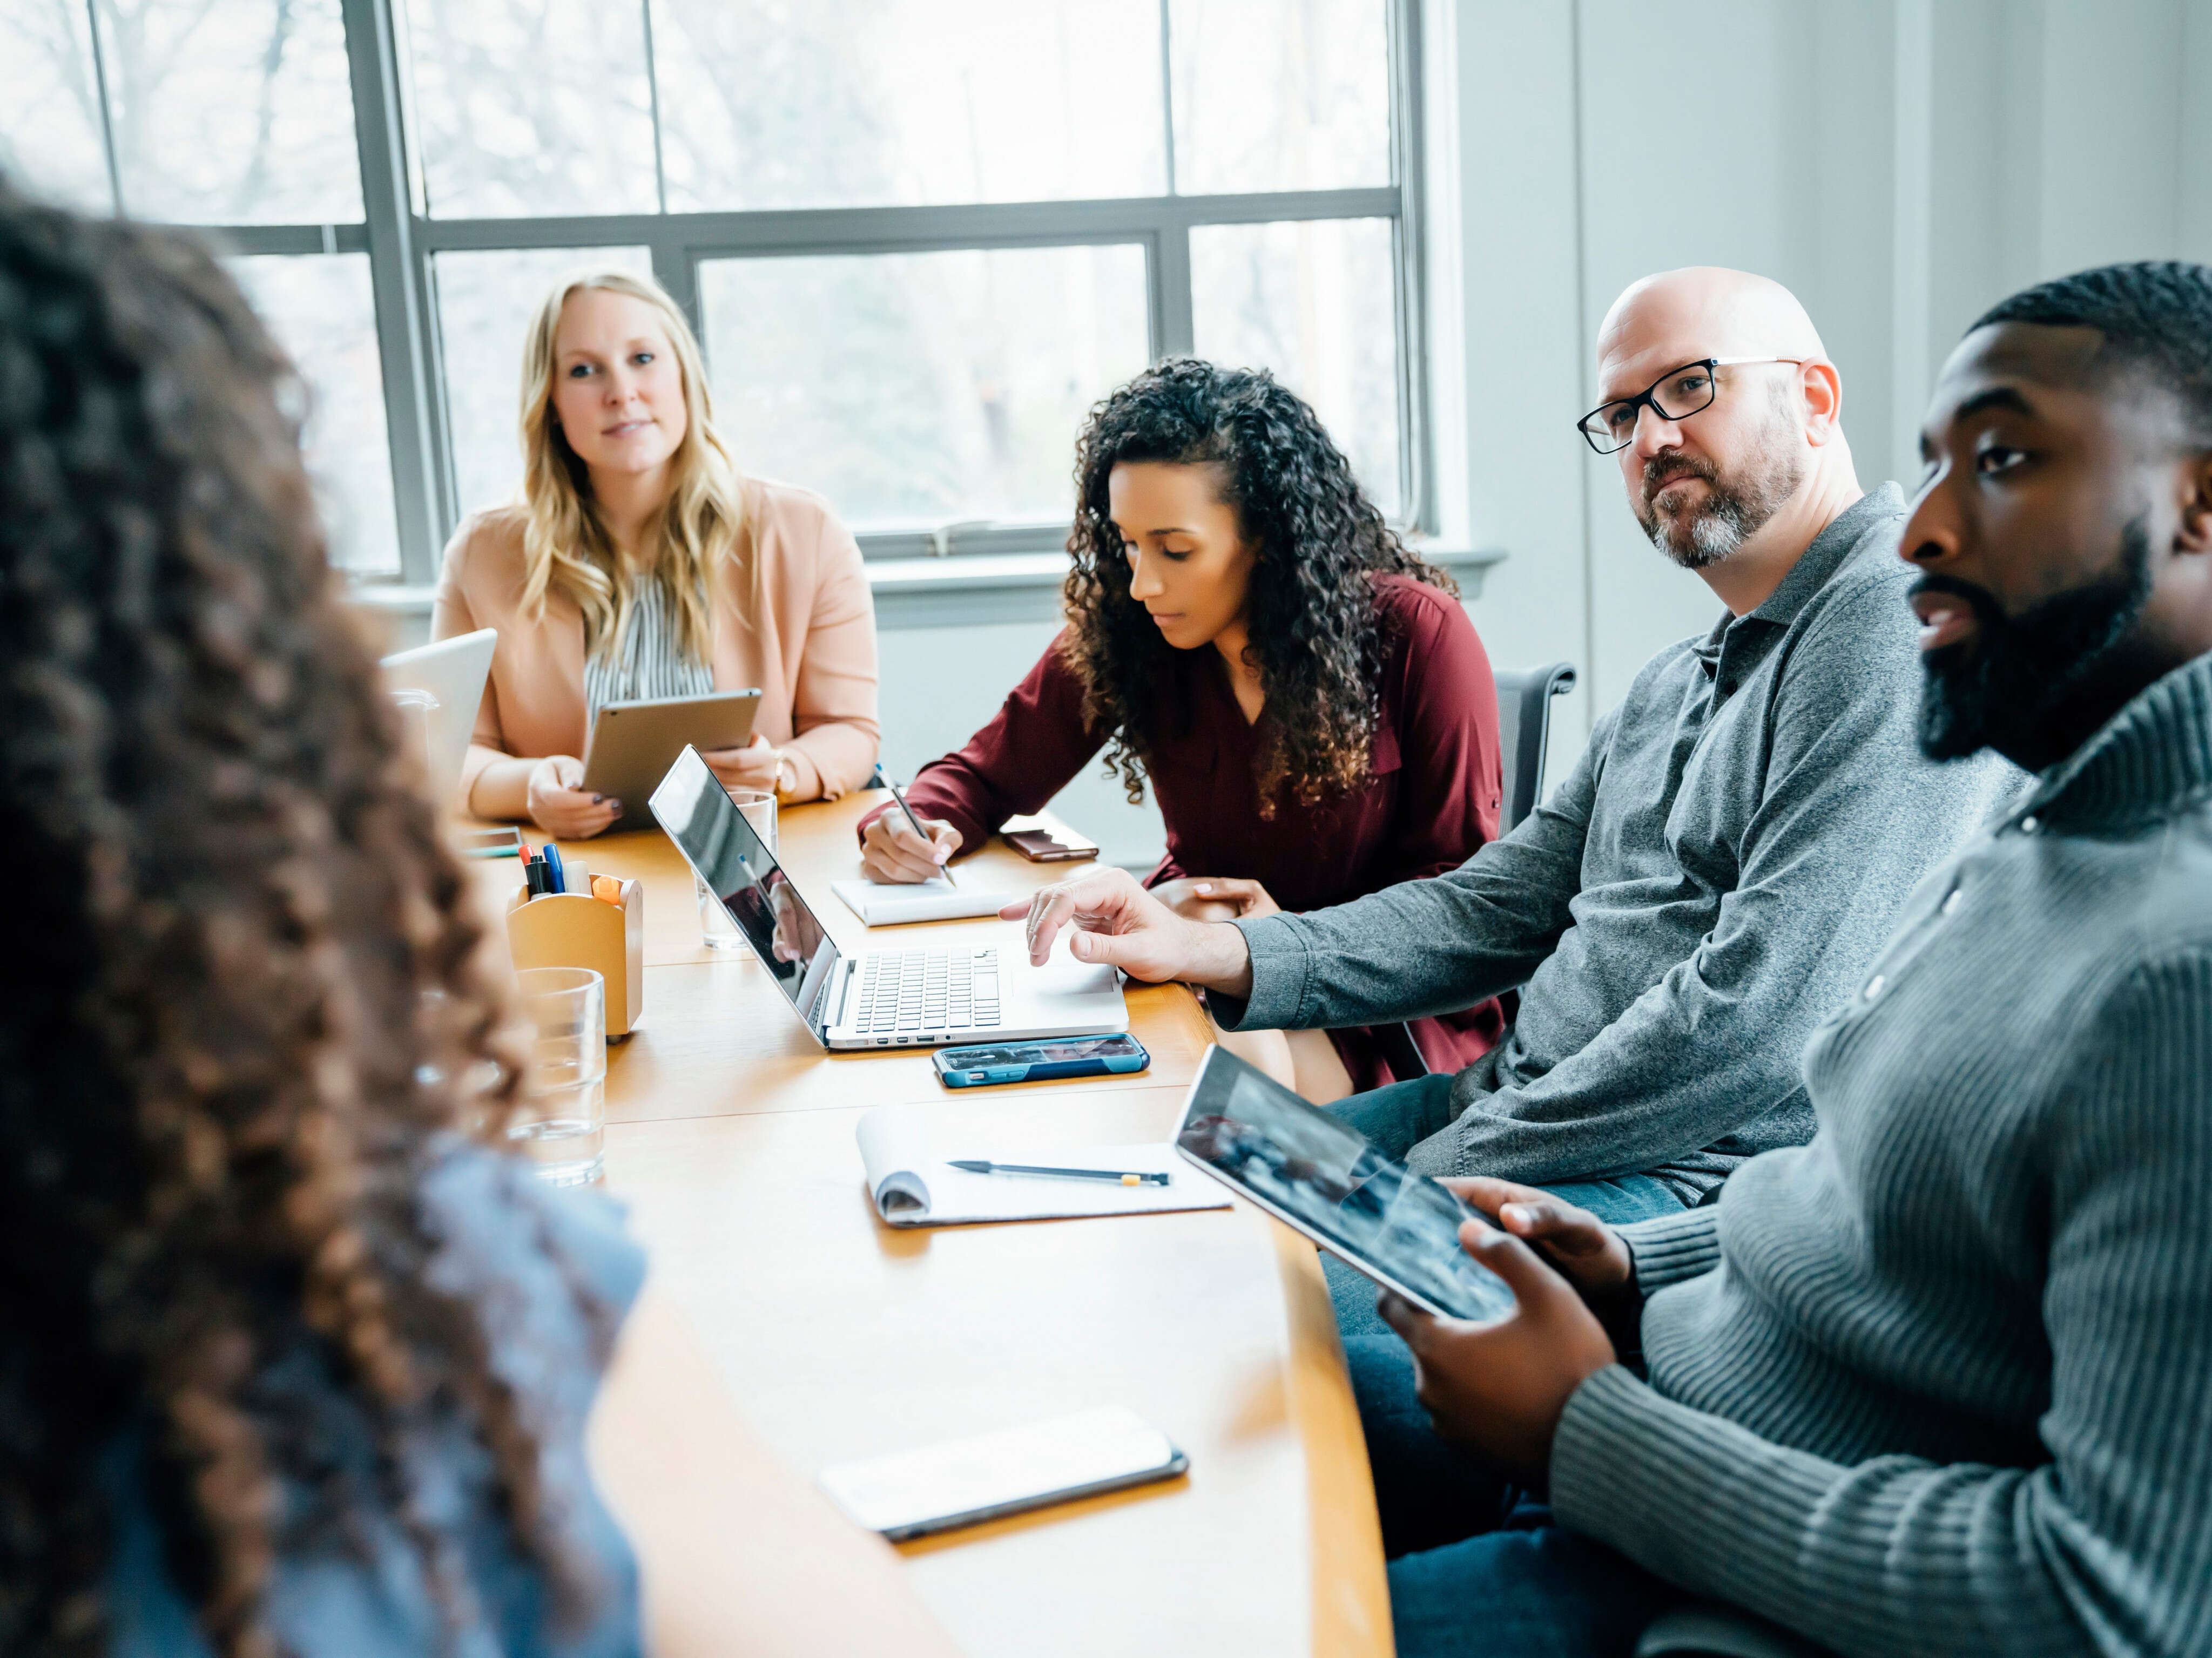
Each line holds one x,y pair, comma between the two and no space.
1940,1382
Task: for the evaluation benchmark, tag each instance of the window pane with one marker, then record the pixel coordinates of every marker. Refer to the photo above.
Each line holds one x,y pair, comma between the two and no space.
320,308
50,105
526,106
923,388
862,102
237,113
1314,301
1280,95
485,302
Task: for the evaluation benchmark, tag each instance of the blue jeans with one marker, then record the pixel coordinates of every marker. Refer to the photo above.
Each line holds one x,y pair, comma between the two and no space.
1476,1566
1528,1589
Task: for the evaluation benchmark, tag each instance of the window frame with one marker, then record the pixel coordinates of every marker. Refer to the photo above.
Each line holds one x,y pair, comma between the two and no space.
401,241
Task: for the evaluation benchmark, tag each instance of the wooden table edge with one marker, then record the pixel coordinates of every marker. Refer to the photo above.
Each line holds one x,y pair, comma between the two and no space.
1350,1587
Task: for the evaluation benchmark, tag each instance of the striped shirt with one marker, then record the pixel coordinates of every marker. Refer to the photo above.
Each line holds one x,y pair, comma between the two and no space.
648,659
1940,1382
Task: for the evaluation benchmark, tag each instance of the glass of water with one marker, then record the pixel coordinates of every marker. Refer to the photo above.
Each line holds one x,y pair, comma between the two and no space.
561,1120
716,929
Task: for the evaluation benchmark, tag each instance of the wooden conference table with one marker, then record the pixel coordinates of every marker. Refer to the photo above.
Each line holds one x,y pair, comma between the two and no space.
730,1137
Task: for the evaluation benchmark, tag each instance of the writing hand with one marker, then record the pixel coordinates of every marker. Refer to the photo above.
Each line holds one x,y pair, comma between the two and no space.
891,850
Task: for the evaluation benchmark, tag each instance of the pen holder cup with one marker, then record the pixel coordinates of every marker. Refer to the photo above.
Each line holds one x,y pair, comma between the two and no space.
566,929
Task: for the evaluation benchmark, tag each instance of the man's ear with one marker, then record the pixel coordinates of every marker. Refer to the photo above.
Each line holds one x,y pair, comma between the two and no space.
1822,388
2192,533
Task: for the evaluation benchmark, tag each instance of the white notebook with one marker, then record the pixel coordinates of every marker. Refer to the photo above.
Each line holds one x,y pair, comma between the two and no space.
912,1188
937,899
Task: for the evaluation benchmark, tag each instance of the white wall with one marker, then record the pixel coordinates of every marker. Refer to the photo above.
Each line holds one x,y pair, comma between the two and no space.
1901,164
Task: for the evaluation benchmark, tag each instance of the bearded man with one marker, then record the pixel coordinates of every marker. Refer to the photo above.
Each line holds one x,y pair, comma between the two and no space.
1721,867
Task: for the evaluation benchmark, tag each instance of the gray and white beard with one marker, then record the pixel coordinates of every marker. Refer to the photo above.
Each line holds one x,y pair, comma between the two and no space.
1733,510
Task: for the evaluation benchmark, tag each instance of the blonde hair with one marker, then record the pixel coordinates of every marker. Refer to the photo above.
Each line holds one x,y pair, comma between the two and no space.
566,548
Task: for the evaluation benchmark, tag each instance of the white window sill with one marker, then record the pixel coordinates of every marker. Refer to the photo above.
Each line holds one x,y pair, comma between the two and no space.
970,589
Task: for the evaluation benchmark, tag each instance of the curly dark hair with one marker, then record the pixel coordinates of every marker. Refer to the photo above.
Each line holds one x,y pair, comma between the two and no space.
245,1011
1319,543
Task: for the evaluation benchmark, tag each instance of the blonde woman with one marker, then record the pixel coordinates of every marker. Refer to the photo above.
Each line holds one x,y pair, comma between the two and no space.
639,562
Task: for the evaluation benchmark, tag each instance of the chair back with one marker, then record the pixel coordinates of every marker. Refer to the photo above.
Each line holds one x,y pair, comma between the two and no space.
1525,731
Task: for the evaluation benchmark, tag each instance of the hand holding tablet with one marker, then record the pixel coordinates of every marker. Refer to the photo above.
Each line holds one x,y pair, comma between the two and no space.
1317,1173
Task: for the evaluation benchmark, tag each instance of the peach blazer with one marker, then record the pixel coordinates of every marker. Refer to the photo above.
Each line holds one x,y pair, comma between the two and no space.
811,651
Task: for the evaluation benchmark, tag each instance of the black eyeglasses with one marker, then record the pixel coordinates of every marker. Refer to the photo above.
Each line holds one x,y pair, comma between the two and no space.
1611,427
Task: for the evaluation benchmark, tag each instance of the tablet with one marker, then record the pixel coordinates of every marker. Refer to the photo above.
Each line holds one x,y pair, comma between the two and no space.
632,744
1312,1170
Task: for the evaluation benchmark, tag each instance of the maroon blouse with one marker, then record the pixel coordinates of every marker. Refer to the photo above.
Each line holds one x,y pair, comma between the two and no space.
1432,797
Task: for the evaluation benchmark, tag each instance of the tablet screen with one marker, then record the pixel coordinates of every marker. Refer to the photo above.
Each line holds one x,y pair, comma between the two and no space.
1319,1173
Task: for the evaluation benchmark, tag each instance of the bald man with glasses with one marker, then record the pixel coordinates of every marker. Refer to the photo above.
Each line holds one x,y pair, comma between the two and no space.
1722,863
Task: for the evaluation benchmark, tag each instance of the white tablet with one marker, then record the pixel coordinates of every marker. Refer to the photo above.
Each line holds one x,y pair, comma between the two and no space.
632,744
1314,1171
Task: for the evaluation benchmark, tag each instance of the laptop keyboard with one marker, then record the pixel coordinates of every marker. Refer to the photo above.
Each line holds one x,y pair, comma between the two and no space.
908,994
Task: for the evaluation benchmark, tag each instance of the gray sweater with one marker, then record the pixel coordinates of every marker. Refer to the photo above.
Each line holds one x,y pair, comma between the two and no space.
1940,1382
1712,878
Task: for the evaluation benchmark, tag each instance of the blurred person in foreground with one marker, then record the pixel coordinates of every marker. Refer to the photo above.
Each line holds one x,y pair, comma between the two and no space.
641,563
1303,694
297,1360
1935,1383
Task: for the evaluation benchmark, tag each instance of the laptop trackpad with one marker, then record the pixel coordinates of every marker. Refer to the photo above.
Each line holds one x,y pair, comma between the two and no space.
1063,975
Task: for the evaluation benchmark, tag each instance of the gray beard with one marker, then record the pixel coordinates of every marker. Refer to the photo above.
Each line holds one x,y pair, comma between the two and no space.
1733,510
1718,532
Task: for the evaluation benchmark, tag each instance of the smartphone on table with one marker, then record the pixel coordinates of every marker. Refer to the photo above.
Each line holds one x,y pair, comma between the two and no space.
985,1064
942,1487
1044,845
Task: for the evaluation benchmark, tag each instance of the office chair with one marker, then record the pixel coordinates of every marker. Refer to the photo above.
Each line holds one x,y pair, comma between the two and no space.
1524,729
1707,1632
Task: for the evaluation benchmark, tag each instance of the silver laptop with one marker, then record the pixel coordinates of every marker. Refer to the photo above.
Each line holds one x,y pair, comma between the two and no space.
920,998
452,672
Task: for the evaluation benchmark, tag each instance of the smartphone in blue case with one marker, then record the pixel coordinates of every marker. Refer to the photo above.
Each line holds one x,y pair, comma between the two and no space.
1040,1062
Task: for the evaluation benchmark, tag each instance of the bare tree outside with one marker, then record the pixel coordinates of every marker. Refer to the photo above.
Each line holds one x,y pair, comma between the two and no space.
915,386
49,122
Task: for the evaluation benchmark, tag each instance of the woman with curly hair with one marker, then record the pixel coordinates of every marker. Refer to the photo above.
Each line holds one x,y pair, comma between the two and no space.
1306,697
296,1361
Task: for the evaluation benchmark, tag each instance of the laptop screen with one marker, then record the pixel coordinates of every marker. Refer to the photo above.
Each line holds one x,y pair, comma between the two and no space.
722,848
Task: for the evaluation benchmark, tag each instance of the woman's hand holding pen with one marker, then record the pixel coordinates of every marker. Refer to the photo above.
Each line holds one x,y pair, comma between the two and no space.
891,850
558,804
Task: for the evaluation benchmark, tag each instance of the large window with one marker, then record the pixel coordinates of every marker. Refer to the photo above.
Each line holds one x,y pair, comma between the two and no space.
918,238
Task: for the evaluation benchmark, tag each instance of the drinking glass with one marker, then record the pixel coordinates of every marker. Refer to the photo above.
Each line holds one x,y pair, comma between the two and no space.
716,929
561,1119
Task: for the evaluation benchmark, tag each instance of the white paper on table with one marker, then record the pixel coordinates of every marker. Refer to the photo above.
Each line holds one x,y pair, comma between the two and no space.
912,1188
896,904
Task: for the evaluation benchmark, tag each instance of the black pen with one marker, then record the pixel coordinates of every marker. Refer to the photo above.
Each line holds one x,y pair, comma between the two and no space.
976,1166
899,795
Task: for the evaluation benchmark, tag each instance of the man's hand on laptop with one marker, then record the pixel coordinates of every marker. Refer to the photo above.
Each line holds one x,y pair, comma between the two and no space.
1117,922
